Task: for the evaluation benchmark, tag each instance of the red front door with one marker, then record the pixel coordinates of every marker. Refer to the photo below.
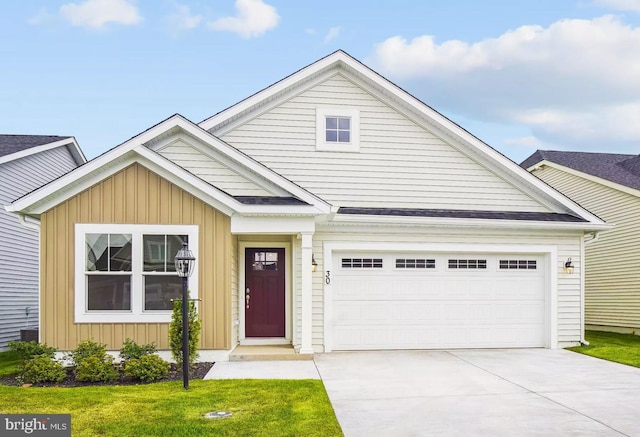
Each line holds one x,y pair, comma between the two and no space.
264,293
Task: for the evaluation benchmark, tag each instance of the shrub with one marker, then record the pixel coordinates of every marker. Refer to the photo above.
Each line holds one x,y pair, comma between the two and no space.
96,369
42,368
30,349
86,349
133,351
147,368
175,332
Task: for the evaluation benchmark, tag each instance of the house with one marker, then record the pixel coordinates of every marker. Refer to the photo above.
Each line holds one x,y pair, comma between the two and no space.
330,211
609,185
26,163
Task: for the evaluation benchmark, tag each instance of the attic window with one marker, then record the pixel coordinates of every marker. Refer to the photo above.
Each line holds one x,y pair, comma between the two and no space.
337,130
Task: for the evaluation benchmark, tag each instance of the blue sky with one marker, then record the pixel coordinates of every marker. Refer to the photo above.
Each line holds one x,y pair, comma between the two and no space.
520,75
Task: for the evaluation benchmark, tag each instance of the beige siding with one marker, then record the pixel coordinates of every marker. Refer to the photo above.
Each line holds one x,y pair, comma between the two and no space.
135,195
569,323
212,171
399,163
612,275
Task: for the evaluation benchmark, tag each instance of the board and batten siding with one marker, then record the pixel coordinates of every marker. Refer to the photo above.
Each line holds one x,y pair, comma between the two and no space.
612,263
135,195
210,170
569,296
18,244
399,165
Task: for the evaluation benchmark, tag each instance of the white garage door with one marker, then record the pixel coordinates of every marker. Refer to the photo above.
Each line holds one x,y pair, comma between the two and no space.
437,301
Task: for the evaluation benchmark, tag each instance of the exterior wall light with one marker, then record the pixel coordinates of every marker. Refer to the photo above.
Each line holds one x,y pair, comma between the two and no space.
568,266
184,262
314,263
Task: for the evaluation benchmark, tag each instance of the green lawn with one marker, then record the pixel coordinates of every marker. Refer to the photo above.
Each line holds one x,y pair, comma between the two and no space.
621,348
258,407
8,363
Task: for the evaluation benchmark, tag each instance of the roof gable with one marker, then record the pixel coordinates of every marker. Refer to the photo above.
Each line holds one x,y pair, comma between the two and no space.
14,147
135,150
618,168
390,94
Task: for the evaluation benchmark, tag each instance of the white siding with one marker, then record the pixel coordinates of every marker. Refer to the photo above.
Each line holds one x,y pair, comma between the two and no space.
612,275
210,170
399,164
569,323
19,246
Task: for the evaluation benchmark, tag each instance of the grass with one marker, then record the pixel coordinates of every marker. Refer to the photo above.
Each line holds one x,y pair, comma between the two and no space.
258,407
621,348
8,363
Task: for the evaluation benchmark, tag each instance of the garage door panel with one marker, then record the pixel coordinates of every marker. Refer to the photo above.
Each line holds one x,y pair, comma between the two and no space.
390,308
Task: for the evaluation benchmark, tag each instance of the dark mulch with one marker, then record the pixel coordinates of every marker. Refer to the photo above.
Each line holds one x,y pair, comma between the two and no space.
198,371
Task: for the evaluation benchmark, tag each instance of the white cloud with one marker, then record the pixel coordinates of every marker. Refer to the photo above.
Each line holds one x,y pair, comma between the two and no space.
95,14
621,5
574,82
333,33
183,19
253,19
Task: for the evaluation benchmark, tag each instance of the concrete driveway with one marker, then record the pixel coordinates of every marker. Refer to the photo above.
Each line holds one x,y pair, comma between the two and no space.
521,392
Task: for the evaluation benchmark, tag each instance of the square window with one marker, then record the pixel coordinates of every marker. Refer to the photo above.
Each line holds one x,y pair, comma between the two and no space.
337,129
109,292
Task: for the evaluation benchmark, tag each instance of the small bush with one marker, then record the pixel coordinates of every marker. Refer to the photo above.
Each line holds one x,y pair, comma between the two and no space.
175,332
147,368
42,368
30,349
86,349
96,369
133,351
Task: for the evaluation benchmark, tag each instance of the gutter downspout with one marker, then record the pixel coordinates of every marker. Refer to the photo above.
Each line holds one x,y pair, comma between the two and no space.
584,242
29,222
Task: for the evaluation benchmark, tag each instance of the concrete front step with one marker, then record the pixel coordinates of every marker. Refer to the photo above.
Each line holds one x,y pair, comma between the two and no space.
267,353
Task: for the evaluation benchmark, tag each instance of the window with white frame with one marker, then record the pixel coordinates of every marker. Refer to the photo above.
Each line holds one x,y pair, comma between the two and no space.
337,130
126,273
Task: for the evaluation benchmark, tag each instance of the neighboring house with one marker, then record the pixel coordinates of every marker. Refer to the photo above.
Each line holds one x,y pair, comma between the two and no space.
26,162
607,184
423,236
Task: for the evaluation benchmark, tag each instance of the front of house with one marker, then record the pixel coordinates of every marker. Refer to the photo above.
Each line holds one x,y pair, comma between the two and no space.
330,211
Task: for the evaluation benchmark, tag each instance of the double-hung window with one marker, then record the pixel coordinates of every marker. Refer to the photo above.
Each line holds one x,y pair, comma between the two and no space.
337,129
126,273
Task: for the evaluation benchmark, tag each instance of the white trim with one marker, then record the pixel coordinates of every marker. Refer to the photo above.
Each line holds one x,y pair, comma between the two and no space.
70,142
93,172
137,314
288,290
271,225
306,301
549,252
587,176
322,112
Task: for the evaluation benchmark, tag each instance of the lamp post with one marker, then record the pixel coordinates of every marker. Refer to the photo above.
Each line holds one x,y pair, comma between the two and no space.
185,261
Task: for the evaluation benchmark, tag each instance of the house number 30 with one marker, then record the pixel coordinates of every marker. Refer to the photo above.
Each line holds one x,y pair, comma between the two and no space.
327,277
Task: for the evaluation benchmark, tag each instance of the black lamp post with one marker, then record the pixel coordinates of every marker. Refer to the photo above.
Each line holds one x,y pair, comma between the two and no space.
184,267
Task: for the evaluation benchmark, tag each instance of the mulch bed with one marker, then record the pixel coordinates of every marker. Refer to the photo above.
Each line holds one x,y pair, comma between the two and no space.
198,371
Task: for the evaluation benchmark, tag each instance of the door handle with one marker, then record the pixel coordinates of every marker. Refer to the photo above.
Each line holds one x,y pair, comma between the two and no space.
247,297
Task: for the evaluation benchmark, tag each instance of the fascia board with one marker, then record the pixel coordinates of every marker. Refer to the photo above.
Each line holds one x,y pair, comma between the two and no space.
71,144
84,170
357,219
587,176
253,165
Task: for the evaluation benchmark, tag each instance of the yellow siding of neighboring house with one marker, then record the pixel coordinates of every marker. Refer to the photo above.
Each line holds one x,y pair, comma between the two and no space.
134,195
612,275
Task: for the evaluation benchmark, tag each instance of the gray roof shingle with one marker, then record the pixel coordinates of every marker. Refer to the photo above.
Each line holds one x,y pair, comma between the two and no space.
459,213
615,167
16,143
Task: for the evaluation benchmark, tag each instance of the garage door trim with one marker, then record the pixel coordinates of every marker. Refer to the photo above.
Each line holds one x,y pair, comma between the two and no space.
550,252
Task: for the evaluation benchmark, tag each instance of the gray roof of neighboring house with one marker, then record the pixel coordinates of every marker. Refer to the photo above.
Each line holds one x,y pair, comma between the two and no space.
16,143
460,213
615,167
